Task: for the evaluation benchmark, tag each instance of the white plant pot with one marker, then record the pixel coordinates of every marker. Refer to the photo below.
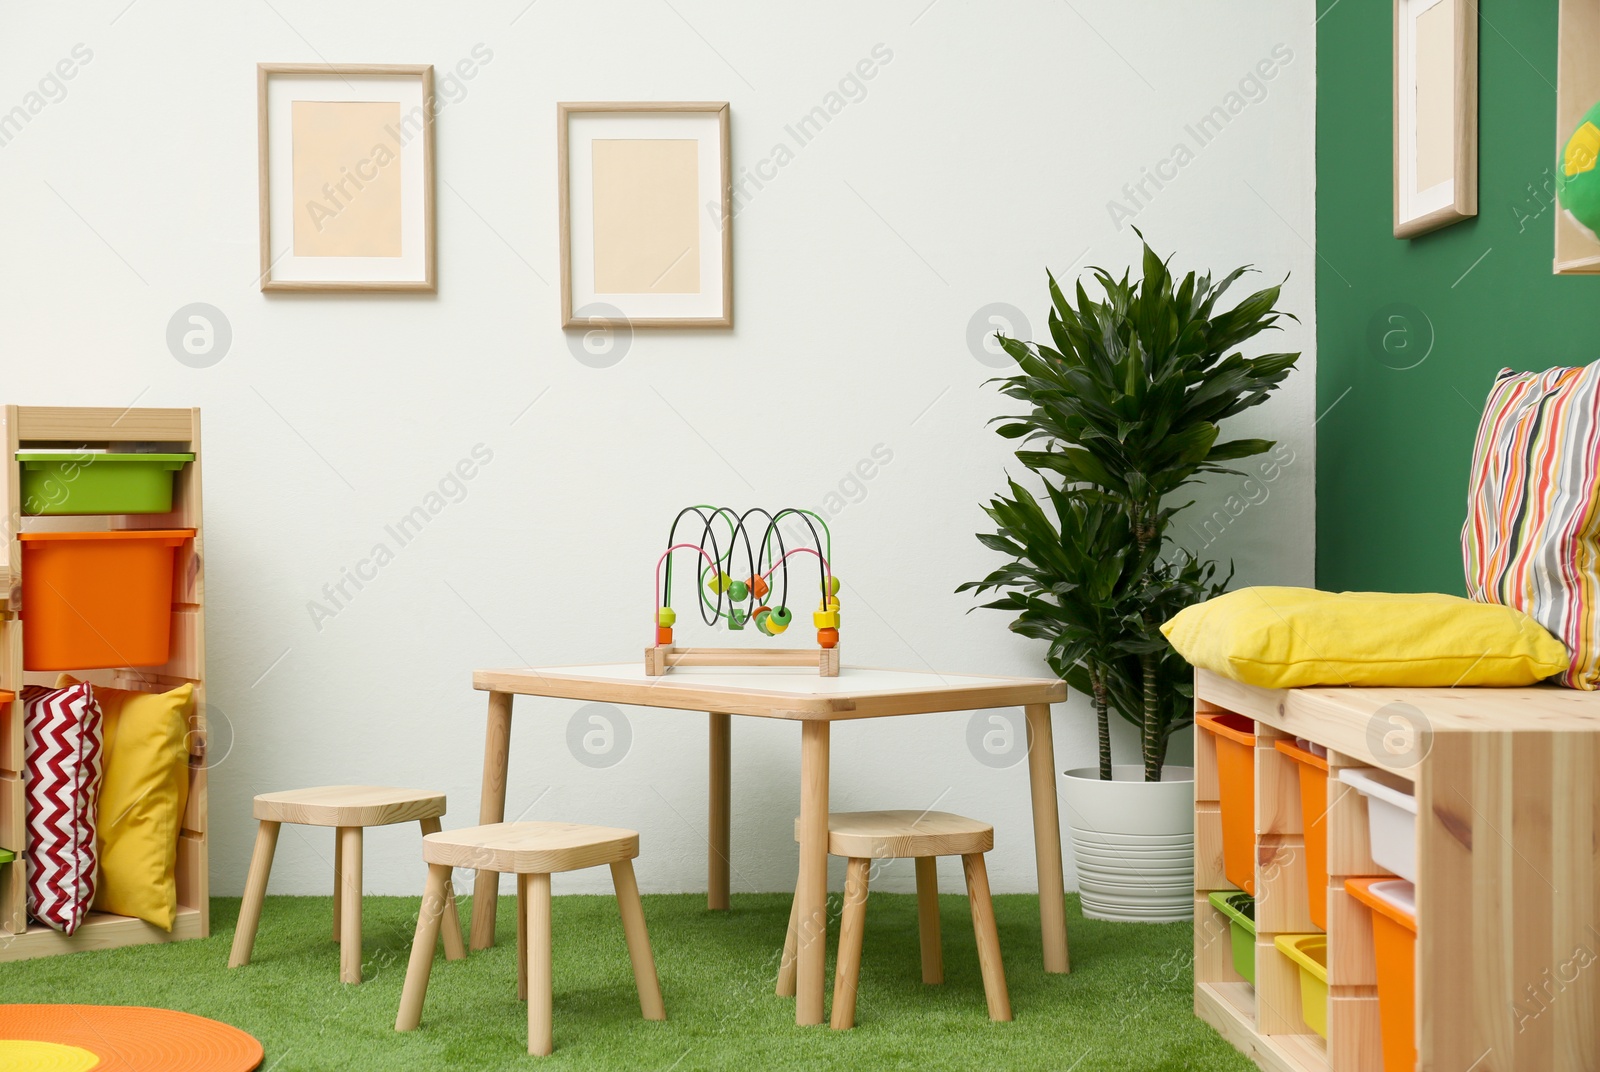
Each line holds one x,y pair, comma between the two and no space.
1132,842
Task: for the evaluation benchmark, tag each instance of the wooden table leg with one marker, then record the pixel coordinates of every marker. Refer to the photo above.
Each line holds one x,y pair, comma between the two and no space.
812,891
491,809
350,910
1047,838
718,864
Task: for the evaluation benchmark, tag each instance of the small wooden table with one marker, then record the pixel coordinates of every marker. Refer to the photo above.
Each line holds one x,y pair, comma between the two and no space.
816,703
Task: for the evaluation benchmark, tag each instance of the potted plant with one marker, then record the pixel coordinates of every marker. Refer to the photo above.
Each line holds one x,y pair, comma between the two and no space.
1124,408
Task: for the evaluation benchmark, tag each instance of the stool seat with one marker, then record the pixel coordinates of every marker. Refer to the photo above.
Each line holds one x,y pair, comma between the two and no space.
863,837
903,835
349,805
531,848
349,809
532,851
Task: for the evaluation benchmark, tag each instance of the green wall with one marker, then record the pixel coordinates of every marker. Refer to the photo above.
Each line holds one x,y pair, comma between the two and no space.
1394,443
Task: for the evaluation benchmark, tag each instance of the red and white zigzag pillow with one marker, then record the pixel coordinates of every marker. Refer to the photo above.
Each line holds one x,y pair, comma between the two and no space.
62,767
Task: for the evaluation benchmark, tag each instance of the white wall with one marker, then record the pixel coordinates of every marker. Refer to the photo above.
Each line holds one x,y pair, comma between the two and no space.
985,149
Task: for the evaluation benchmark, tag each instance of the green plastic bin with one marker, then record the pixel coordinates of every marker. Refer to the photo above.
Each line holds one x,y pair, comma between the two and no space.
1240,908
6,856
91,482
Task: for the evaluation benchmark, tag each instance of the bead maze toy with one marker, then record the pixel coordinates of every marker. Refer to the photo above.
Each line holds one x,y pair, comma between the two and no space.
759,600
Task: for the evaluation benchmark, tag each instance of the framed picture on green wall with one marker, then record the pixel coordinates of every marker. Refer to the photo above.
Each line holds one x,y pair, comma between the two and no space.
1435,114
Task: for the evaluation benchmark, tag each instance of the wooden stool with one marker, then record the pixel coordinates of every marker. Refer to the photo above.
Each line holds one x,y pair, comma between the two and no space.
349,808
532,852
864,836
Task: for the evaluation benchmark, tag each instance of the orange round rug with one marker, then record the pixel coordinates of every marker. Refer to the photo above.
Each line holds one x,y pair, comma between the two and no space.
122,1038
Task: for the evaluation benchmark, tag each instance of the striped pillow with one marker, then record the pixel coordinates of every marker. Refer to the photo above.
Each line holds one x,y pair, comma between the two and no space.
62,756
1532,535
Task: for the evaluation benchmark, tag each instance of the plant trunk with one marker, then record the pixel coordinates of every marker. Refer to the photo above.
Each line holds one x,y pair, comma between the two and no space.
1152,746
1102,723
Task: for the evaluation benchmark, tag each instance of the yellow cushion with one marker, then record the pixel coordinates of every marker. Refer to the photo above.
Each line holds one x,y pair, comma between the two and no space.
1286,638
142,797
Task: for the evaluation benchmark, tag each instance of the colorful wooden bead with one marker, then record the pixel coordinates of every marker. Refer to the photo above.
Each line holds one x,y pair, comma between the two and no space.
758,586
779,620
828,638
761,617
664,635
666,617
737,591
736,619
718,582
833,584
833,602
825,619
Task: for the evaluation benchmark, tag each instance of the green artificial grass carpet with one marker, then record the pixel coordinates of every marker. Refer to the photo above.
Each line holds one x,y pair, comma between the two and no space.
1126,1006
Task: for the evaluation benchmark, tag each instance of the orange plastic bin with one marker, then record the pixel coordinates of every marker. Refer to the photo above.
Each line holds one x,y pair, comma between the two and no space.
1236,774
1394,945
1314,816
94,599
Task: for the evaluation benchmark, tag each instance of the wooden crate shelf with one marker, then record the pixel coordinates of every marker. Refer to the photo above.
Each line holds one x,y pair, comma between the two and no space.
61,427
1508,890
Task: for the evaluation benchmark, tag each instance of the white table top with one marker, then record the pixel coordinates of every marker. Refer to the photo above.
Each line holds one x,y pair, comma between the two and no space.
778,692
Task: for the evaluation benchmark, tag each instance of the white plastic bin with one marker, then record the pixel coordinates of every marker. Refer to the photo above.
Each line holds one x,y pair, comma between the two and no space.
1391,818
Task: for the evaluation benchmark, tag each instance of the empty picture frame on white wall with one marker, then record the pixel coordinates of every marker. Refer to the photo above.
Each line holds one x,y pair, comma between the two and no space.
346,173
646,214
1435,114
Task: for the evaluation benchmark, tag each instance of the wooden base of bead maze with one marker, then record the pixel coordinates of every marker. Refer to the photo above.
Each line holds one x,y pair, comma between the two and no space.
663,657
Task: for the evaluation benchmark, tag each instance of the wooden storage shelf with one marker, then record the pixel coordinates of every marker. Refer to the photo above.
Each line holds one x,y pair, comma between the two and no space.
1508,883
60,427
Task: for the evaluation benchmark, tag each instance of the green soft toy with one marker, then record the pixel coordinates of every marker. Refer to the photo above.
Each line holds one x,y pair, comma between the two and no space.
1578,179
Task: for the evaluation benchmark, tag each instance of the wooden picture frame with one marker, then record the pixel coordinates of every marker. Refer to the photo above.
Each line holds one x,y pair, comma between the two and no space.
1577,88
699,293
1435,114
394,209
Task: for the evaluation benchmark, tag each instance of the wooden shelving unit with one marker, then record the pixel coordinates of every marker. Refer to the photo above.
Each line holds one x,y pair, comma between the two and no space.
1508,890
60,428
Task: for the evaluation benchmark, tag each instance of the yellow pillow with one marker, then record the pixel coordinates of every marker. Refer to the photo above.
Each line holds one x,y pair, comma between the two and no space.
1286,638
142,796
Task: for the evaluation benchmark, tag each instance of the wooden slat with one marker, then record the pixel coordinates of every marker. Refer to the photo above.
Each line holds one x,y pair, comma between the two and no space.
13,899
1349,836
1355,1036
84,425
1350,955
1277,989
1281,906
99,931
12,816
1227,1007
1208,866
1213,945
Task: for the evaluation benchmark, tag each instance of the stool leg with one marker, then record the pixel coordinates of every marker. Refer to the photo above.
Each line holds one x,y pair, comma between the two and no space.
994,973
633,928
350,894
338,887
540,985
416,988
450,926
928,918
522,937
255,890
788,967
852,928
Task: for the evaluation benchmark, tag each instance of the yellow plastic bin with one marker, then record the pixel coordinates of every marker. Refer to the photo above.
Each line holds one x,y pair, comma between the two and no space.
1310,954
